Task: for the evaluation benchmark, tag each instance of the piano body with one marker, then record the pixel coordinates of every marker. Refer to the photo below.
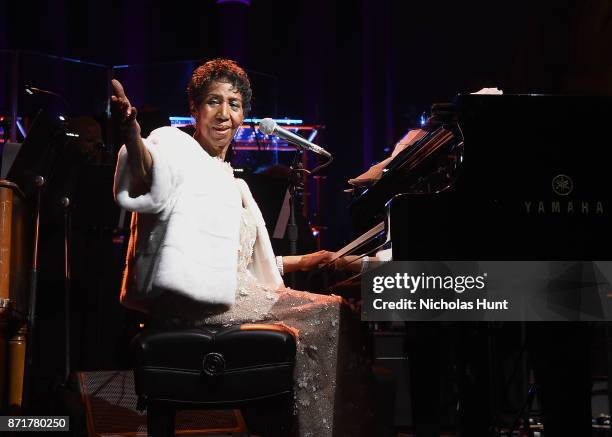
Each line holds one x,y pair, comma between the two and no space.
497,177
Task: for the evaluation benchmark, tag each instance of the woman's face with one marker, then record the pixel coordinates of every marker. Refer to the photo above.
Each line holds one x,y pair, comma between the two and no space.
218,118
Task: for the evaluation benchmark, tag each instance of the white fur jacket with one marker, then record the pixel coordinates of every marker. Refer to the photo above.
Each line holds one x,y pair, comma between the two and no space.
185,230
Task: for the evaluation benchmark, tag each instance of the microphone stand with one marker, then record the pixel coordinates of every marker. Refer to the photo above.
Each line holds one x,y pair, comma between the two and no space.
39,183
65,203
296,184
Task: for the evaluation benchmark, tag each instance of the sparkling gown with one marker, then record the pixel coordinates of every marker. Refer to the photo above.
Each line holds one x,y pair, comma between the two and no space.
313,318
330,372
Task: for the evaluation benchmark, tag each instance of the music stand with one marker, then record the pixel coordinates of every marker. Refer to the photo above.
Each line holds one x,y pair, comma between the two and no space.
32,167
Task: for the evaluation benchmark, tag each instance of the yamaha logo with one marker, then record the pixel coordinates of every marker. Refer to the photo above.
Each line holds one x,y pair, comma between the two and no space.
562,185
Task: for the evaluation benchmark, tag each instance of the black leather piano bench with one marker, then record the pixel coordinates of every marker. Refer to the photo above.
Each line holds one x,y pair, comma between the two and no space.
246,366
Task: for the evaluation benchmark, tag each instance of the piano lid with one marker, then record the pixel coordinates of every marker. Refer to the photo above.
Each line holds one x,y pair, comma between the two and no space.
517,147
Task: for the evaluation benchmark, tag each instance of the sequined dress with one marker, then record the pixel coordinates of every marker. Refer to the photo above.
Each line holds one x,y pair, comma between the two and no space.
330,362
315,319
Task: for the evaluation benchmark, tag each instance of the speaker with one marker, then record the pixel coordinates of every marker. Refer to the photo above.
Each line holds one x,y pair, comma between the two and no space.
110,407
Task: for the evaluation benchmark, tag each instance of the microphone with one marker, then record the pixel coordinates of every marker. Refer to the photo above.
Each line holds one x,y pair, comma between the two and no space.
267,126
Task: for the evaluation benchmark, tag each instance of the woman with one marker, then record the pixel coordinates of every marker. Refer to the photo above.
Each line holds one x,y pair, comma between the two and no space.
199,251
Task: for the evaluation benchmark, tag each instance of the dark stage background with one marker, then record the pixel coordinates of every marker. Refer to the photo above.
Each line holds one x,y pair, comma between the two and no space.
365,69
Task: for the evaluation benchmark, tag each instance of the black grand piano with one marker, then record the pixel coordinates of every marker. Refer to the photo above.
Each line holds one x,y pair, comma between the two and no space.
496,177
499,177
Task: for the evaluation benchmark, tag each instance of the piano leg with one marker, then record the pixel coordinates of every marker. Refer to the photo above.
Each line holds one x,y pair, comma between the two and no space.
473,374
424,357
560,353
449,368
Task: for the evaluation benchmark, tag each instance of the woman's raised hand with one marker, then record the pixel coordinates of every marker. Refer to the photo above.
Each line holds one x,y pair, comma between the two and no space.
140,161
123,112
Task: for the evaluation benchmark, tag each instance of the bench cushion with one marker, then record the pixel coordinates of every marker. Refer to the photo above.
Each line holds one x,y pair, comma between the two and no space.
216,365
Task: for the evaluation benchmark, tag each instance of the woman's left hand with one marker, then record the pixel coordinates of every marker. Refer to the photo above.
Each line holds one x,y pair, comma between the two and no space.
306,262
313,260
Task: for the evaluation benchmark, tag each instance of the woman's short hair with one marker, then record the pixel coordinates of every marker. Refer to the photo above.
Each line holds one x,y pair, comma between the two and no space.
222,70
